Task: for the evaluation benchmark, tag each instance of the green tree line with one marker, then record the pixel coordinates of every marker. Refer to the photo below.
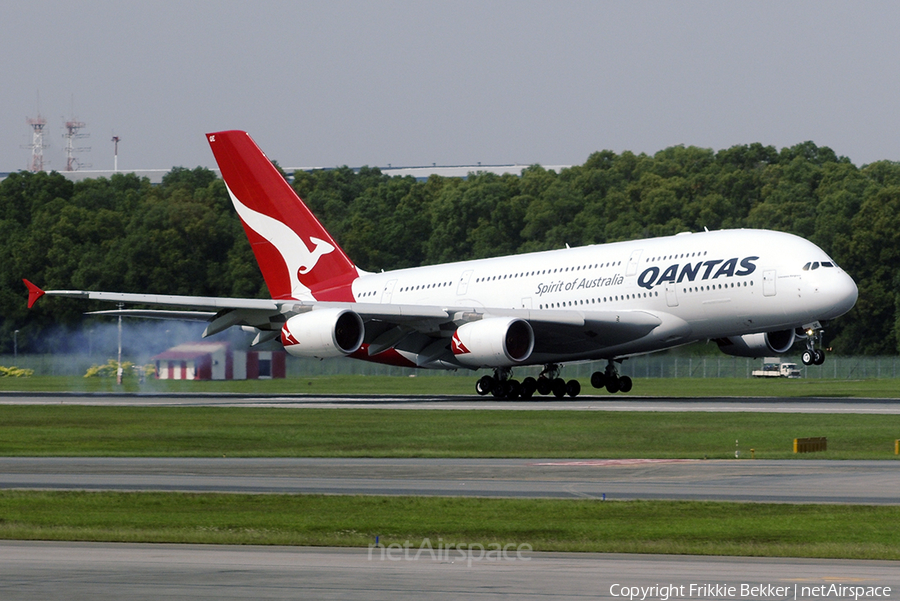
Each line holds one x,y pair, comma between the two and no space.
183,237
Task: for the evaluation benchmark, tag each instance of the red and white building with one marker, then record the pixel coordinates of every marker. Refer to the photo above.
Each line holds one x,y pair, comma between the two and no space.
216,361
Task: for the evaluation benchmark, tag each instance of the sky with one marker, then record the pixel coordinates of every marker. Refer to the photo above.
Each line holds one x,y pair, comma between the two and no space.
404,83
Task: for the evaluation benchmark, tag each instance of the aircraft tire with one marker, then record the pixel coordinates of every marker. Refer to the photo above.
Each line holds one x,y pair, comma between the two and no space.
529,386
598,379
544,386
559,388
515,389
808,357
573,388
483,385
819,358
625,384
612,385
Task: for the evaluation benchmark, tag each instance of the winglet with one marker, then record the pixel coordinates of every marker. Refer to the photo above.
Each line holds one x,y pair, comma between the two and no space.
34,293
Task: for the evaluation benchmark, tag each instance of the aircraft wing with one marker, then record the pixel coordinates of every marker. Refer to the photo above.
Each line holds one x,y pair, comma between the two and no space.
564,332
224,312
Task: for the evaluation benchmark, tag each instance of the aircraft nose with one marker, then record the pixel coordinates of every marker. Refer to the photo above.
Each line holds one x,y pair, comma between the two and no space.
844,295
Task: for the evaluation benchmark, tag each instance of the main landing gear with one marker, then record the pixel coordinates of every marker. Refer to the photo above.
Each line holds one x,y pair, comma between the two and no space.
611,380
813,356
501,385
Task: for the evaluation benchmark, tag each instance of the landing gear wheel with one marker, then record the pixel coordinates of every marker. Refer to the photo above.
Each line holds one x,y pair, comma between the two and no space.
625,384
819,358
573,387
808,357
612,385
544,386
501,389
484,385
515,389
529,385
559,388
598,379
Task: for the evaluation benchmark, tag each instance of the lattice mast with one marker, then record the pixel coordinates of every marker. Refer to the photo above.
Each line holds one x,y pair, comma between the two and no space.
37,143
72,162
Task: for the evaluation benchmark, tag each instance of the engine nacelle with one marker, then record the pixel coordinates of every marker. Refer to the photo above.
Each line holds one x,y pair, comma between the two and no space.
323,333
493,342
757,345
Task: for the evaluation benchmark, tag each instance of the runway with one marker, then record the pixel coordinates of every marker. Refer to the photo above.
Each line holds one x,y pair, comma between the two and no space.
784,481
49,570
877,406
72,570
793,481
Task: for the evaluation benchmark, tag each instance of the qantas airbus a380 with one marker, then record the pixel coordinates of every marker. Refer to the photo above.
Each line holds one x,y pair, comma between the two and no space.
755,292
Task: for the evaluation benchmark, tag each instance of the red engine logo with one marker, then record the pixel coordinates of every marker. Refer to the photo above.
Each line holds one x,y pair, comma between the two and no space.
457,346
287,339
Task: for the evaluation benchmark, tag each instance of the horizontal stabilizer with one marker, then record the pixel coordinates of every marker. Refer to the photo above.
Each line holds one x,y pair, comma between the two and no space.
34,293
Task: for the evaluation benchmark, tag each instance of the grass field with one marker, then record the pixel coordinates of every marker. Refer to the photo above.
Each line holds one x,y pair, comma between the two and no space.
837,531
72,430
456,385
704,528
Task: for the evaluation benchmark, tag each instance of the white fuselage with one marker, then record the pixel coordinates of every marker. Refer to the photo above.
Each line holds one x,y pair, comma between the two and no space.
703,285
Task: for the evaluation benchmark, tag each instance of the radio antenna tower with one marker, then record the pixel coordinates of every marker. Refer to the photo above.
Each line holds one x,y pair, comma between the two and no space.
115,140
37,143
72,127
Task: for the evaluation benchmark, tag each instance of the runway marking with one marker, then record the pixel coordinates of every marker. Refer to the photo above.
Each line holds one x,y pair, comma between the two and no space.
606,462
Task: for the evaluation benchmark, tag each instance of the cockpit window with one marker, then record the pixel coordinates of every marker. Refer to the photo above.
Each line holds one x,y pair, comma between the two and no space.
806,267
827,264
815,265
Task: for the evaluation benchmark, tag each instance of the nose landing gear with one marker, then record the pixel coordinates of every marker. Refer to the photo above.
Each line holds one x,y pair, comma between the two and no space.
813,356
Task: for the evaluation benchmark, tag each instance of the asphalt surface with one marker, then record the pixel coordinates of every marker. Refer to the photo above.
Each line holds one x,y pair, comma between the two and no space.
50,571
448,402
784,481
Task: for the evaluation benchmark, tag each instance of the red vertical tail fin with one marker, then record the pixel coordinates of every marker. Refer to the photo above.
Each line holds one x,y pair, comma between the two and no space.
297,256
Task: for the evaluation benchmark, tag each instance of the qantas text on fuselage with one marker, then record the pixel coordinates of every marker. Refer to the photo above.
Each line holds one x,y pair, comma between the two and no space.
690,272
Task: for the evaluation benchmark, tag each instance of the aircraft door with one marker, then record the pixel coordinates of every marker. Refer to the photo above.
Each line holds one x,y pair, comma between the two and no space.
671,294
769,283
388,291
463,287
633,262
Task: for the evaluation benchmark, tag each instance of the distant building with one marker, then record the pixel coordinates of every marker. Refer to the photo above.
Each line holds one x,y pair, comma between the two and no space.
216,361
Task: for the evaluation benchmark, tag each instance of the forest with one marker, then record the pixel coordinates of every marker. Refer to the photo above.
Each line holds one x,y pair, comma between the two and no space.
183,237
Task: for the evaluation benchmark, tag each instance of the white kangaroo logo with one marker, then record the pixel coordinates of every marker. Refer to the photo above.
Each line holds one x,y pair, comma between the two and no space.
293,250
321,248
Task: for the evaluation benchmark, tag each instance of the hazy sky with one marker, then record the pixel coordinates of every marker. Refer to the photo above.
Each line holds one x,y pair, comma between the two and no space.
413,83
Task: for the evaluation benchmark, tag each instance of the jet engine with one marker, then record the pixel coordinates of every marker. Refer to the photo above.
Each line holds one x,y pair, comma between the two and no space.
493,342
757,345
323,333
